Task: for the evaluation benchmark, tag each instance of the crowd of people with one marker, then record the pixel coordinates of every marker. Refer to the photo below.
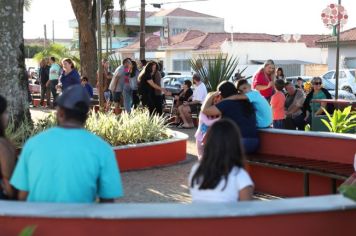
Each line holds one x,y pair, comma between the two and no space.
49,170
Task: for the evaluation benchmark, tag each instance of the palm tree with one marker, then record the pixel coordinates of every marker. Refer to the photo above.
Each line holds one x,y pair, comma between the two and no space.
13,77
27,4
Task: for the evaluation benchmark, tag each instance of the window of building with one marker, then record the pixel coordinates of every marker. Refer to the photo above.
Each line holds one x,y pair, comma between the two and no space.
181,65
176,31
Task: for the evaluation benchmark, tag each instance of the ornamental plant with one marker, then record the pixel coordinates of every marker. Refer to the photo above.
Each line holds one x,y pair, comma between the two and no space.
128,128
136,127
341,121
219,68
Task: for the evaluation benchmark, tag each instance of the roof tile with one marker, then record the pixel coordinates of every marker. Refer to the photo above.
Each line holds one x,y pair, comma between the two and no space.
345,36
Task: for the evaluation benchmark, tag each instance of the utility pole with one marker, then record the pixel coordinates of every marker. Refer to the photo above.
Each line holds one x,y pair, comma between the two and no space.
52,31
142,30
100,65
45,35
111,32
337,56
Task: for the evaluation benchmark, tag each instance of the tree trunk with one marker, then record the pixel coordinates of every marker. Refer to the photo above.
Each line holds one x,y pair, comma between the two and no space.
85,14
13,76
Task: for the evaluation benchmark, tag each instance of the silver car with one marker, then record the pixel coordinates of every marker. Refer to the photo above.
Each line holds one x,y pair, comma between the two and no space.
347,80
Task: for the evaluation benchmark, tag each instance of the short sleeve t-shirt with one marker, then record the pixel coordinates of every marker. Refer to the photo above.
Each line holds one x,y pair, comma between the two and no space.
54,72
277,104
68,166
234,110
263,109
261,79
200,93
119,78
237,180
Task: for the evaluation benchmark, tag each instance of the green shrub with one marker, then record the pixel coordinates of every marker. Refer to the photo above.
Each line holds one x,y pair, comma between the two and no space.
340,121
220,68
136,127
19,134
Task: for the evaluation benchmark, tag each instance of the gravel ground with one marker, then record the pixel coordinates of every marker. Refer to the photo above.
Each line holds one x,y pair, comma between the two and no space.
162,184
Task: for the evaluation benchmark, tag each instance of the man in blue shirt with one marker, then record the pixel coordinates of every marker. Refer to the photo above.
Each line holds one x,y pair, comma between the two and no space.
67,163
261,105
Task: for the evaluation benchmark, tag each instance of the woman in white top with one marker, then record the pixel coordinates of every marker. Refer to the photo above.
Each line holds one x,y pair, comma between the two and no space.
220,176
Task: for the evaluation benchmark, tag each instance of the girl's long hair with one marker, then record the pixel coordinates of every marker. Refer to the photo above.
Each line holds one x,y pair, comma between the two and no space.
133,69
3,106
223,150
147,70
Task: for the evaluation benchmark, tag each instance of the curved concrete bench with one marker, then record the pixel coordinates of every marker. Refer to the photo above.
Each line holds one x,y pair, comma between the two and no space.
327,215
152,154
329,150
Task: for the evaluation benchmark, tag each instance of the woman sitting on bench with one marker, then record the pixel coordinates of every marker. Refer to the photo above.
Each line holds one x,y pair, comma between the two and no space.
185,95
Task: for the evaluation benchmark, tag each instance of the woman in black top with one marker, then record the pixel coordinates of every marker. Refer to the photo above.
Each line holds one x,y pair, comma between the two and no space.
184,95
147,86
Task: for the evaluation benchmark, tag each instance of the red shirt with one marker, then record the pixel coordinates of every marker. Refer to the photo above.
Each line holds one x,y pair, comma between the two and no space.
262,79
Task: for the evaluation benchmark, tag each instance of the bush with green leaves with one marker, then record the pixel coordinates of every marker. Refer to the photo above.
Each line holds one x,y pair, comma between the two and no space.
136,127
18,134
220,68
341,121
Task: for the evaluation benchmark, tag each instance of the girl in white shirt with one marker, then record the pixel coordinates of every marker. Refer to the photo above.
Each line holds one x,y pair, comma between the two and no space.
220,176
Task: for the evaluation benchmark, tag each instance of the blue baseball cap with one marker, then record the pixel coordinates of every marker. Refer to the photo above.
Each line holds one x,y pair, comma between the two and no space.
72,96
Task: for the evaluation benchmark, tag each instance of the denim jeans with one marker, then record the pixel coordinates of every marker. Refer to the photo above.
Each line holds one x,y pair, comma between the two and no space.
52,86
127,93
278,124
45,94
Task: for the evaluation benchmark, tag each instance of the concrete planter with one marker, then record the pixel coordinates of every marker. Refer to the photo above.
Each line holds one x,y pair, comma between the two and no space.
152,154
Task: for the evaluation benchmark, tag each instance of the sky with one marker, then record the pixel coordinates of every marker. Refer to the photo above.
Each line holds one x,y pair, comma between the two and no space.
250,16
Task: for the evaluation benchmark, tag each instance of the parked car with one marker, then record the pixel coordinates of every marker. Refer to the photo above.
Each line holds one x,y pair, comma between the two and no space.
173,83
343,94
34,86
347,80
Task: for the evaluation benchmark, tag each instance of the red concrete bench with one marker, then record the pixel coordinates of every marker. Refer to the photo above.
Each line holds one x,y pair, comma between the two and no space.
325,215
297,163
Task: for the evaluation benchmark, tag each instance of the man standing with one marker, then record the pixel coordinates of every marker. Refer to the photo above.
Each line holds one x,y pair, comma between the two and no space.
67,163
294,108
188,108
118,81
44,77
54,73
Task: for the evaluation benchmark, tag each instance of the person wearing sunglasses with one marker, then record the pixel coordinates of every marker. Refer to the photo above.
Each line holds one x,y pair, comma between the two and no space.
317,92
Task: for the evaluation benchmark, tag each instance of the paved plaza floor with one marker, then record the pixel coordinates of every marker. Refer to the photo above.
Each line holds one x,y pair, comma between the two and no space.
163,184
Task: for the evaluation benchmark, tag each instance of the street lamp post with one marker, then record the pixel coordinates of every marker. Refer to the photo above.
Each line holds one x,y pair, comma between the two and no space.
335,16
337,56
